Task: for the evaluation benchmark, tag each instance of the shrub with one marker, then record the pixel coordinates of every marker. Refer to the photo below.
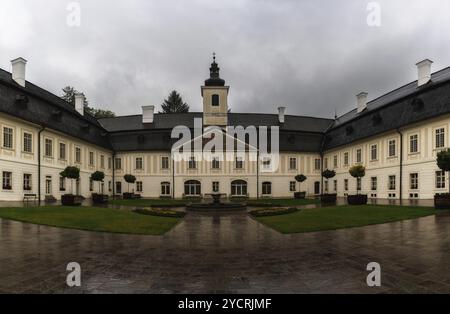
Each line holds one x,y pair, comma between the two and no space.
72,173
98,176
443,162
159,212
129,178
273,212
357,171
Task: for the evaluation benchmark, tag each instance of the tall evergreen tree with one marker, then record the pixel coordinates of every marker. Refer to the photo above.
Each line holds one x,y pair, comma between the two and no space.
174,103
69,96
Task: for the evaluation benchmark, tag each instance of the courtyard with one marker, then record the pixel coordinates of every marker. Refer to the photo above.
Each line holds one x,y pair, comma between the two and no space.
228,253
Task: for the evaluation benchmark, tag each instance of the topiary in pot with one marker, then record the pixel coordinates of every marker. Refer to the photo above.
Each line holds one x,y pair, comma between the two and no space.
97,198
71,173
300,178
442,201
129,178
357,171
328,198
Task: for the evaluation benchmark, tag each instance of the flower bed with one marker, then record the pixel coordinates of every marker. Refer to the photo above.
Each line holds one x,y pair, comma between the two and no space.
159,212
273,211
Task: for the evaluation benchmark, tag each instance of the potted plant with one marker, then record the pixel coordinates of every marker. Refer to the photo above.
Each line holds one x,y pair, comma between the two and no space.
300,178
71,173
129,178
98,198
442,200
357,171
327,197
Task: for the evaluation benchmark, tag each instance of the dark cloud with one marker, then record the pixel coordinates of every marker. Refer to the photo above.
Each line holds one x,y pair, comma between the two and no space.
311,56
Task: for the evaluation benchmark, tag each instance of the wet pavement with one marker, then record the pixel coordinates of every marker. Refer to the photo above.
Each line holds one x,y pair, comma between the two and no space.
228,253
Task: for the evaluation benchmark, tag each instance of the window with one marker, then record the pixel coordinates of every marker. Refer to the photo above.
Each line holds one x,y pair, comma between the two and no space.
266,163
138,186
325,186
392,150
215,163
139,163
413,143
358,155
109,186
325,163
440,138
118,163
266,188
414,181
91,185
62,151
27,182
62,183
109,162
239,188
346,161
164,162
91,158
27,142
292,163
317,164
191,163
391,183
192,188
335,161
335,185
165,188
77,154
373,152
48,185
346,184
292,186
373,183
440,179
7,180
238,163
215,186
8,137
215,100
48,152
102,161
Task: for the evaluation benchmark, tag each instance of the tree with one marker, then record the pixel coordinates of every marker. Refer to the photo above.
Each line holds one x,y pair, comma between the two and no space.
69,96
443,162
328,174
300,178
72,173
174,103
357,171
129,178
98,176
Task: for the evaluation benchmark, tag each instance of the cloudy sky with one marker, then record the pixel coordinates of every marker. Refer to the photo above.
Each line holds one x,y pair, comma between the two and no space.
311,56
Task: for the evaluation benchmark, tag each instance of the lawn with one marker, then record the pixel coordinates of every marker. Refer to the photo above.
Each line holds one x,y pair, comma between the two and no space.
271,202
339,217
92,219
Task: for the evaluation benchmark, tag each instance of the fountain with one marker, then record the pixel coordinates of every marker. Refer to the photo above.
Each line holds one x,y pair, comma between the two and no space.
216,204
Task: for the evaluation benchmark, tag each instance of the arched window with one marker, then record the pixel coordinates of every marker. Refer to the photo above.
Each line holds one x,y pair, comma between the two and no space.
165,188
238,188
267,188
192,187
215,100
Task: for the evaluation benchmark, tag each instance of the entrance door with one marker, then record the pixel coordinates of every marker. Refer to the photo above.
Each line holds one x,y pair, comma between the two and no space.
317,187
118,187
48,186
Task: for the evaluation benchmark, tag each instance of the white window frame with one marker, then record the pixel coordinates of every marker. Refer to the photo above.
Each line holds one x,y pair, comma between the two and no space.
292,163
65,151
373,152
392,143
24,142
10,137
443,134
138,166
46,141
417,143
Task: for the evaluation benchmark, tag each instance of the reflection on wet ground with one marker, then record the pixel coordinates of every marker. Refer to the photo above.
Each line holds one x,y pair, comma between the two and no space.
228,252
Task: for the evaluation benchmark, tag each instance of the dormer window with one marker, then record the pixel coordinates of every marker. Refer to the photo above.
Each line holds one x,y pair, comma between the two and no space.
215,100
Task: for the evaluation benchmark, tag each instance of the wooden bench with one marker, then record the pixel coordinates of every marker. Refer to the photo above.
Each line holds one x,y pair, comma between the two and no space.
29,197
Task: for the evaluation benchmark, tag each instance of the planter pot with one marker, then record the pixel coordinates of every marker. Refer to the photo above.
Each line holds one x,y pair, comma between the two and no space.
127,196
70,200
328,198
442,201
357,199
99,198
300,195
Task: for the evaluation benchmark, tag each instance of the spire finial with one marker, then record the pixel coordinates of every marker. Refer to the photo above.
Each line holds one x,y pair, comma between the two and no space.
214,57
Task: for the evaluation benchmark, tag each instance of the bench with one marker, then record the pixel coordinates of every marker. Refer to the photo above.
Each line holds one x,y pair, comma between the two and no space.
29,197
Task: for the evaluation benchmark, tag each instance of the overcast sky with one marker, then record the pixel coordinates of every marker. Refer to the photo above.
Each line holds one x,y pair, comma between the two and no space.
311,56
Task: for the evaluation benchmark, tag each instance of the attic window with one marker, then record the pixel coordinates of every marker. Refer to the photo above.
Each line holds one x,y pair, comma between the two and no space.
349,130
141,138
215,100
22,100
376,119
417,104
291,138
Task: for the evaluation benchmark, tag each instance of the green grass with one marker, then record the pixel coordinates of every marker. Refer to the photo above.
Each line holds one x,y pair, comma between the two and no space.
150,202
271,202
339,217
92,219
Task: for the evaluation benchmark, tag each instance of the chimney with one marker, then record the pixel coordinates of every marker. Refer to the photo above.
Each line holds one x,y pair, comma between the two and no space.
79,103
424,72
18,70
147,114
361,99
281,111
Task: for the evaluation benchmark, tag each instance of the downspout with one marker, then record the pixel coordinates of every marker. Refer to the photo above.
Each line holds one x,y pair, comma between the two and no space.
257,173
321,171
113,161
401,165
39,163
173,176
